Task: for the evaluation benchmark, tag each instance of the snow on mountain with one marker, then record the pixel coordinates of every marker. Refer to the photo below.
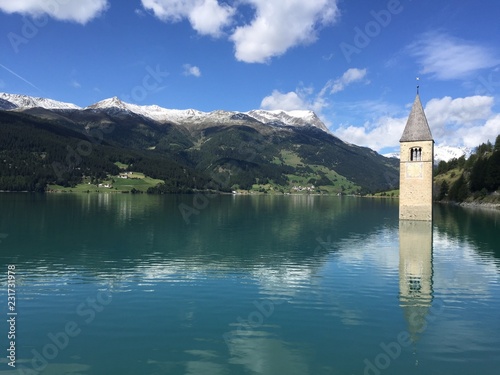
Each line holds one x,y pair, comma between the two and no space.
191,116
392,155
25,102
187,116
445,153
115,106
291,118
6,105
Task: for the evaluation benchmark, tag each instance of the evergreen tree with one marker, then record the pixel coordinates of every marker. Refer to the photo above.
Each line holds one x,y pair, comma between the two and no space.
442,167
459,190
443,191
484,148
492,182
478,174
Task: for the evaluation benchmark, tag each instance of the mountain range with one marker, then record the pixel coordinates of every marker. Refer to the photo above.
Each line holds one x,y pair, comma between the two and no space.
114,106
61,143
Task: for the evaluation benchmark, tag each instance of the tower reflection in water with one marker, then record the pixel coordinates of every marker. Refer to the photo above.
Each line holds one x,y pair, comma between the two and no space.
415,274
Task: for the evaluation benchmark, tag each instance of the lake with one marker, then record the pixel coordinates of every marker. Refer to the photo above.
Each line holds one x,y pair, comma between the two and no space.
184,284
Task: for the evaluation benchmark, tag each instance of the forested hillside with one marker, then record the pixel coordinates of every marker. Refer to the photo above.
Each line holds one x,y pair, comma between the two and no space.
477,178
36,152
40,147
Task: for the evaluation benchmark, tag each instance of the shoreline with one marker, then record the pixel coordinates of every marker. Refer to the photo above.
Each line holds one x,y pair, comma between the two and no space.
490,206
472,205
194,192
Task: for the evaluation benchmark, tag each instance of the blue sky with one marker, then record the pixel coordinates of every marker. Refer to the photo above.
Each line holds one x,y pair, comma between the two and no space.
353,62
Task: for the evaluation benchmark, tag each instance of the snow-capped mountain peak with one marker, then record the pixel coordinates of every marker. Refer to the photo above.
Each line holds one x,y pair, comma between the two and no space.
447,153
115,106
186,116
291,118
25,102
153,112
113,102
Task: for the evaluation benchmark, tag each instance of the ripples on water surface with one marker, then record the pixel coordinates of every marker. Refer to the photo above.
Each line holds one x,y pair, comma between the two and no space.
252,285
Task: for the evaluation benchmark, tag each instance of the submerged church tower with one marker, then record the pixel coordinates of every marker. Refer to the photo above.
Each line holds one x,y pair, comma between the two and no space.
416,163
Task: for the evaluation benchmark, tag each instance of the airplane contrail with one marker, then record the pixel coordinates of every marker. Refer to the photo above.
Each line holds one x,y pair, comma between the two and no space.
21,78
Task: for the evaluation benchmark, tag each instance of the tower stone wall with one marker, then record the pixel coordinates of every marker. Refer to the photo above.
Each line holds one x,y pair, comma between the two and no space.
416,167
415,190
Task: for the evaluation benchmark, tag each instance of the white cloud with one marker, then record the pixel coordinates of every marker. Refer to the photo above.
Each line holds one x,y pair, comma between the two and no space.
287,102
447,114
303,98
81,11
279,25
446,57
350,76
306,98
475,135
385,132
207,17
191,70
467,121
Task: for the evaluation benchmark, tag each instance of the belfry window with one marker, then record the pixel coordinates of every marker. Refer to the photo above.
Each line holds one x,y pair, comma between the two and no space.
416,154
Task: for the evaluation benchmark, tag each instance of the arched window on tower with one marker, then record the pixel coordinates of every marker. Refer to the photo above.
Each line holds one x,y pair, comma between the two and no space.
416,154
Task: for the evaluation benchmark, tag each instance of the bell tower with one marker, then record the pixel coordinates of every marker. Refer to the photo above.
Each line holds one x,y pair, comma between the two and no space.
416,164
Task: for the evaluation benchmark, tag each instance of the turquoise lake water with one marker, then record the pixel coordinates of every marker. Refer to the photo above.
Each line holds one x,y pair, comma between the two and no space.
125,284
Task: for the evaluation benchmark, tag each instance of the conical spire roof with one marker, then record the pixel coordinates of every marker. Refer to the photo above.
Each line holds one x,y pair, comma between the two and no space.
417,128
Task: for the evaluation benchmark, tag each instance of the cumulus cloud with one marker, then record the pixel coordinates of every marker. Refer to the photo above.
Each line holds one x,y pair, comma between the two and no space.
207,17
475,135
303,98
385,132
279,25
286,101
446,57
350,76
81,11
446,113
467,121
191,70
275,27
